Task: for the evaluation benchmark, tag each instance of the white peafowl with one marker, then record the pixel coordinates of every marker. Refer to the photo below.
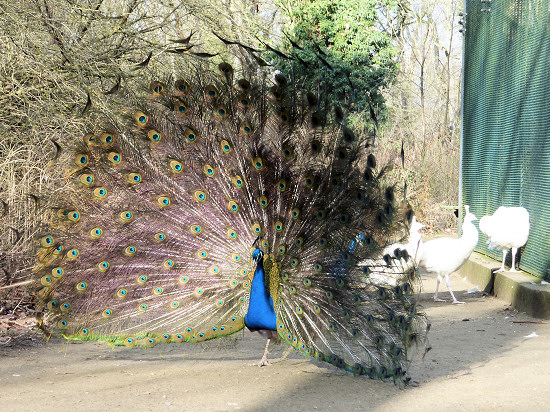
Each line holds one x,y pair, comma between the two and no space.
445,255
507,228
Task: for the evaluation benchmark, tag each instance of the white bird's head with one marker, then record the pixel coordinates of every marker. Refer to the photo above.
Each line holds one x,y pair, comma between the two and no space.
469,217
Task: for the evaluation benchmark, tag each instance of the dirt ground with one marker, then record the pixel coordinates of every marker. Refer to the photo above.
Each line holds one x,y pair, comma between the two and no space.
481,361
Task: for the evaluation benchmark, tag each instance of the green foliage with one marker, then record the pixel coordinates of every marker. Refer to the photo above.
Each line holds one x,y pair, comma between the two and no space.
345,34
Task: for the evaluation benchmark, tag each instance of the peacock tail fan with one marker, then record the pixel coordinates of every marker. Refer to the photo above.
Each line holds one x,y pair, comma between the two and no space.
149,237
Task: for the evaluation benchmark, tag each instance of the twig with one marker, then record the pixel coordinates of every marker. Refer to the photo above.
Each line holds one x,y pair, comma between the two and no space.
16,284
529,321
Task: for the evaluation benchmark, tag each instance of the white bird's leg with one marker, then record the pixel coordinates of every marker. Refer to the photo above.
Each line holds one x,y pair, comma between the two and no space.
455,301
502,268
436,299
513,268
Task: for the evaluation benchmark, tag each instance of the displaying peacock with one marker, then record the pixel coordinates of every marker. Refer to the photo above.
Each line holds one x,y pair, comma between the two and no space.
227,198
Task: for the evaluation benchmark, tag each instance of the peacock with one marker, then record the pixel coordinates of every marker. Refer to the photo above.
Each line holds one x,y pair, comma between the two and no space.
225,197
444,255
507,228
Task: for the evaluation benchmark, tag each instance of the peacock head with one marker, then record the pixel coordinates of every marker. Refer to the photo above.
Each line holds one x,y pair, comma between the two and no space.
469,217
257,256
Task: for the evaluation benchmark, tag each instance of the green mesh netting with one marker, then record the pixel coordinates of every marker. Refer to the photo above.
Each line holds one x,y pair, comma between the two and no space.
506,123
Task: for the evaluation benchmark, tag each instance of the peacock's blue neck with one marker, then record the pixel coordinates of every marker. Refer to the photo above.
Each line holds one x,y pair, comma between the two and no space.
261,313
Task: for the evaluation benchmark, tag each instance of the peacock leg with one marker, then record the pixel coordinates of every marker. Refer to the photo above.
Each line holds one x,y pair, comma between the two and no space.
264,361
513,268
436,299
455,301
502,268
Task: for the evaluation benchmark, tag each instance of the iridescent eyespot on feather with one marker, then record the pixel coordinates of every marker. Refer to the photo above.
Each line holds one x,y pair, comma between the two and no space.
107,139
180,107
160,237
237,181
282,185
231,234
256,228
65,306
299,241
294,262
323,242
107,313
307,282
202,254
214,270
258,163
157,88
133,178
329,295
183,280
126,216
225,68
166,337
299,311
211,92
175,166
115,158
157,291
263,201
281,249
219,303
244,85
96,233
130,250
88,139
225,146
191,135
293,290
86,179
163,201
154,136
233,283
321,214
221,111
315,146
316,120
317,267
168,264
246,128
141,119
208,170
371,161
336,182
278,225
182,87
84,332
57,272
46,280
72,254
81,160
309,181
150,342
236,257
295,213
47,241
62,324
142,279
174,304
275,93
198,292
103,266
122,293
100,192
264,243
81,286
344,218
244,101
129,342
57,250
340,283
284,117
232,206
73,216
195,229
288,152
199,196
348,135
368,176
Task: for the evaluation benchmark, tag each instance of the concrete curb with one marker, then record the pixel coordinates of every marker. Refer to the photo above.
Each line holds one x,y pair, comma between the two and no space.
522,290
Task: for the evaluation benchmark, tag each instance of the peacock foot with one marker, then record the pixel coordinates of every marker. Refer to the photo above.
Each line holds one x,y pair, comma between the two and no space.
262,362
436,299
514,270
